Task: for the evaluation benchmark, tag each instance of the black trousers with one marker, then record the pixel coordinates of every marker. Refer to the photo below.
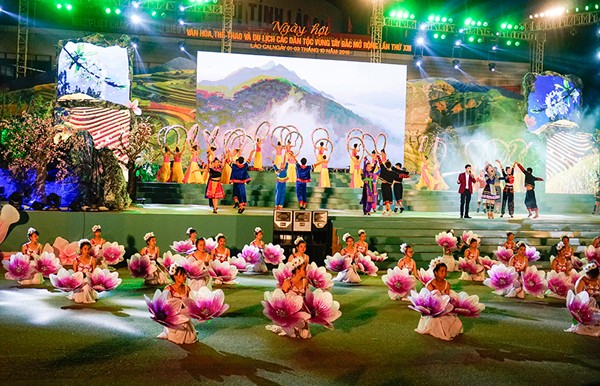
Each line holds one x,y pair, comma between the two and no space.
508,198
465,201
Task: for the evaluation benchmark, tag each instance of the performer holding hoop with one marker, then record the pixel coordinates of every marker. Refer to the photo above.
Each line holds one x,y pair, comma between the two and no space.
164,174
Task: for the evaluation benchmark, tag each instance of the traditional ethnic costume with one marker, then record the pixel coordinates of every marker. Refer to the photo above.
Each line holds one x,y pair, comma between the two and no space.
489,193
184,333
258,160
164,174
398,188
530,179
239,179
214,188
508,194
387,177
369,192
192,174
324,181
302,178
177,169
282,177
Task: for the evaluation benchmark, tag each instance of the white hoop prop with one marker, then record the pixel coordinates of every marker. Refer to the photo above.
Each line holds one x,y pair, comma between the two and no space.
164,133
356,132
264,126
329,148
293,137
276,135
369,137
317,130
192,134
377,140
233,137
210,137
350,145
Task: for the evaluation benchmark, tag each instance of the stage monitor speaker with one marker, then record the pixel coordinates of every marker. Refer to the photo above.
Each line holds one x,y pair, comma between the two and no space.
282,220
320,219
302,221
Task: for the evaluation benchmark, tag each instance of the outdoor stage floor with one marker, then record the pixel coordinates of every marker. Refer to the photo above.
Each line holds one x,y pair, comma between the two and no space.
48,339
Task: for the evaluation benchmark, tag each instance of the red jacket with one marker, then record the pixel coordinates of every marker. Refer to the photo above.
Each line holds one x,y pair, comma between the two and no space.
462,183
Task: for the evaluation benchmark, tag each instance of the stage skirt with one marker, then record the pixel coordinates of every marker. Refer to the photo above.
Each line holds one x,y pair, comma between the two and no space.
185,333
258,160
442,327
356,181
489,193
583,329
530,201
193,174
279,160
450,263
177,172
348,276
164,174
225,175
386,193
85,294
37,278
291,172
214,189
317,168
324,178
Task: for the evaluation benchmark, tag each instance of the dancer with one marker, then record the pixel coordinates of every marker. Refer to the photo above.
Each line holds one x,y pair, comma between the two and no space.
164,174
177,174
214,188
191,233
439,283
407,261
597,203
387,176
368,199
221,252
184,333
560,263
289,154
349,275
567,247
530,201
226,166
302,178
361,245
465,188
258,239
438,179
32,249
193,174
508,193
97,241
324,181
299,260
355,162
321,149
84,263
479,185
281,170
589,283
398,188
239,179
489,191
426,180
278,155
200,253
510,241
258,160
153,252
520,262
472,254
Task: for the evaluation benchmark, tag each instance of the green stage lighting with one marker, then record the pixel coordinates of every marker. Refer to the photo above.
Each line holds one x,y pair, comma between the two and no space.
412,16
485,23
153,14
479,40
587,8
443,36
478,24
444,19
431,17
118,11
509,42
468,21
58,6
437,18
509,26
503,25
69,7
517,43
471,39
107,10
436,35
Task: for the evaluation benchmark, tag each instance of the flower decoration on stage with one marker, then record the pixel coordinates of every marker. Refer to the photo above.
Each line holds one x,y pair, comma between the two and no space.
403,248
322,308
222,272
346,236
205,304
534,281
487,262
338,263
96,228
195,269
66,252
113,253
67,281
251,254
560,246
574,276
466,235
376,256
468,266
466,305
18,267
559,283
169,259
285,310
104,280
141,266
501,278
583,308
504,254
446,240
578,263
166,311
185,247
399,282
148,236
133,106
281,273
273,254
365,265
430,303
47,263
532,254
425,276
239,262
592,254
210,244
318,277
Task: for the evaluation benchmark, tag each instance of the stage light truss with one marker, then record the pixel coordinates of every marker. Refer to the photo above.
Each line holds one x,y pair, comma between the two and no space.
22,39
564,21
157,5
377,22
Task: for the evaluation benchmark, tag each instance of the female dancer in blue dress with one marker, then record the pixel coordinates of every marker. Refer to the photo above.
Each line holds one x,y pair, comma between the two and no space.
282,178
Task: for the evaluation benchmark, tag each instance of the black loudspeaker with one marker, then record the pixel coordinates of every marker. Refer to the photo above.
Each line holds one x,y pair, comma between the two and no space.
75,206
282,220
53,201
37,205
16,200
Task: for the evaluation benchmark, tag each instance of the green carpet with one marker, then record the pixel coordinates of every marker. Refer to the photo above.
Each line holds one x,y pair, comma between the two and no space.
47,339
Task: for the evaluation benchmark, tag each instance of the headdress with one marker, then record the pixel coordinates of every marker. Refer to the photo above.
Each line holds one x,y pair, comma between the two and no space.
218,236
435,262
345,236
257,230
189,231
403,248
148,236
296,262
83,241
31,231
96,228
361,231
560,246
298,241
589,267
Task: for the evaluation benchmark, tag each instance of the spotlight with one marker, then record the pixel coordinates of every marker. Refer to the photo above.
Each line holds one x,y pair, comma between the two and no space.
456,63
598,55
181,46
135,42
494,47
423,26
117,11
181,8
136,19
181,22
0,8
135,4
458,42
420,40
69,7
492,66
418,60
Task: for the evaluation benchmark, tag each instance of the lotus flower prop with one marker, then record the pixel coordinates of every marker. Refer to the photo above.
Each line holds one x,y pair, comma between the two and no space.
222,272
166,311
239,262
141,266
487,262
322,308
430,303
425,276
318,277
399,282
467,235
113,253
210,244
574,275
501,278
583,308
446,240
467,266
377,257
66,252
532,254
338,263
184,247
281,273
273,254
67,281
47,264
466,305
534,281
104,280
251,254
285,310
205,304
578,263
559,283
19,267
195,269
169,259
592,254
503,254
365,265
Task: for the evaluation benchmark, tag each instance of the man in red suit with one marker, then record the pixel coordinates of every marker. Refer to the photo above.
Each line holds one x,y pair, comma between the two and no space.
465,188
